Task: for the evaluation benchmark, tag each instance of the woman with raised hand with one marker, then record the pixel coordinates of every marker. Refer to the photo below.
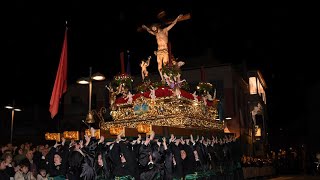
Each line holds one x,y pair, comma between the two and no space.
57,160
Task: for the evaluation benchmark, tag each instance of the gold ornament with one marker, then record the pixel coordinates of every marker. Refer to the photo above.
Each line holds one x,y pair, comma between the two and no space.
71,135
144,128
96,133
52,136
116,130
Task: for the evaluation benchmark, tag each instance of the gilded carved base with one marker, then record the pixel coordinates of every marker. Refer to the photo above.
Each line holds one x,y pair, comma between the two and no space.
167,111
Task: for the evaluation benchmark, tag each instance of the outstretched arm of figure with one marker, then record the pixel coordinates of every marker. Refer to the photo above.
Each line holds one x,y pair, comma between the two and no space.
148,29
173,23
148,62
109,87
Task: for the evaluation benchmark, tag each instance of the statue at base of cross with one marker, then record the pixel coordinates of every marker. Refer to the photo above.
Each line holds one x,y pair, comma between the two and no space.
144,64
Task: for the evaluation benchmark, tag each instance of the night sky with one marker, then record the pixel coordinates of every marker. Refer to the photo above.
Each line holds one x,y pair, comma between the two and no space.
268,37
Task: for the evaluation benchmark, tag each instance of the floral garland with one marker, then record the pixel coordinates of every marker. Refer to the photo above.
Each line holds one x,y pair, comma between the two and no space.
185,86
171,71
158,84
143,87
123,79
204,87
147,85
174,72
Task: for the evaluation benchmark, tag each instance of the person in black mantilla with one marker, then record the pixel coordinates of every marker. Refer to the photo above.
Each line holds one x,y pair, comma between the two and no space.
57,160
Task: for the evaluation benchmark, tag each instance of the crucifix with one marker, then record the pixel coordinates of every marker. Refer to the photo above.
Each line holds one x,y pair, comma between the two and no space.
163,52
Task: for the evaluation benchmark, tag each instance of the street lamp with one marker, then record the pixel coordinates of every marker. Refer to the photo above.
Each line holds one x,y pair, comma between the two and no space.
13,109
88,80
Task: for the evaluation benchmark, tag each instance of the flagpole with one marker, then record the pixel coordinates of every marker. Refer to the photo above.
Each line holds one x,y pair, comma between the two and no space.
128,66
122,62
128,63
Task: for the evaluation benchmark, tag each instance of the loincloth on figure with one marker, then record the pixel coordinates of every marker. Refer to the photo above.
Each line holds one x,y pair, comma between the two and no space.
161,52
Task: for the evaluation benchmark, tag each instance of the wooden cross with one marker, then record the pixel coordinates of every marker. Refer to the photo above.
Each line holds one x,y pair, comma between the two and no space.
183,18
161,16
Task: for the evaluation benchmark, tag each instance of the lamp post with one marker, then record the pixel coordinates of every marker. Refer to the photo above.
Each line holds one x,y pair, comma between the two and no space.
13,109
88,80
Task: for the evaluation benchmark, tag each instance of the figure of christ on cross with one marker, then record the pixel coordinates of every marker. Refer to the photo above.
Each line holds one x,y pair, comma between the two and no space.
161,35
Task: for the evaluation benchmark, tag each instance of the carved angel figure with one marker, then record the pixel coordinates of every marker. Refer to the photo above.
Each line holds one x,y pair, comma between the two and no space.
144,64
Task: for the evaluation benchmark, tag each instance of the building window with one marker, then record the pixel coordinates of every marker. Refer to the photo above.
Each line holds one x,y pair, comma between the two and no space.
253,85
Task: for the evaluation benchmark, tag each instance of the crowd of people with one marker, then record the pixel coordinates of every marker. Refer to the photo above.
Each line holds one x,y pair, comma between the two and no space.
146,158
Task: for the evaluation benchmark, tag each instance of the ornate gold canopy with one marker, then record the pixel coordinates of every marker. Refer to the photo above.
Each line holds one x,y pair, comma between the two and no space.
168,110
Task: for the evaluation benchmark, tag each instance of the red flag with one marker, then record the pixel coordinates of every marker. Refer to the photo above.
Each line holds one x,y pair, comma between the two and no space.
60,84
